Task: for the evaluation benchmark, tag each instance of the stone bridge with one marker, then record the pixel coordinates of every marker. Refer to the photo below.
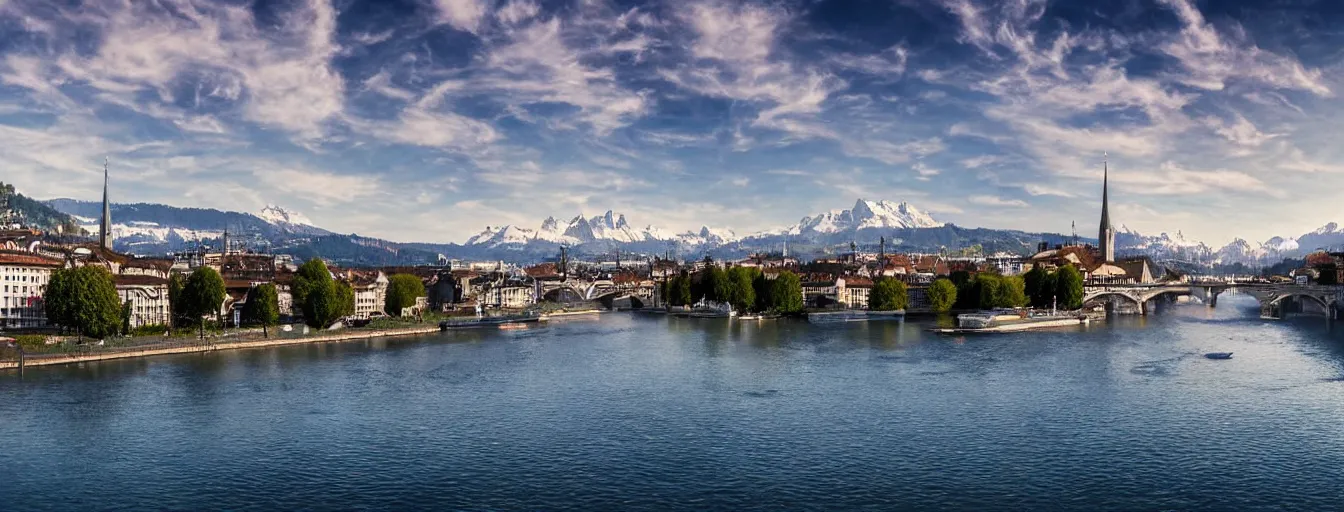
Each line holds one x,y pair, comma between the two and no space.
1275,299
576,290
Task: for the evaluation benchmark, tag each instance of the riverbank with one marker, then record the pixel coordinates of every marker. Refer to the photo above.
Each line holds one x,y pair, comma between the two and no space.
210,345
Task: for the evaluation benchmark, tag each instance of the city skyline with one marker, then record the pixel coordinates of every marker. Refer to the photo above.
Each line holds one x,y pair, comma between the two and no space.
426,121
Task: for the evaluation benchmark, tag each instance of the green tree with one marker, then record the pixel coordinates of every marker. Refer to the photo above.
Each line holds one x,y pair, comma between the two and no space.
888,295
56,301
176,307
743,289
681,291
402,291
313,274
263,307
1013,290
960,277
202,295
764,289
714,285
990,290
1033,282
942,295
787,293
84,299
126,318
1069,287
345,299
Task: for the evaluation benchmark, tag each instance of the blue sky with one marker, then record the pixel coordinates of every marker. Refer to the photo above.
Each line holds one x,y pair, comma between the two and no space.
425,120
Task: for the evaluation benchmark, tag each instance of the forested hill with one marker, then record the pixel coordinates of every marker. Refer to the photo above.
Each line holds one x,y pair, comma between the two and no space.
34,213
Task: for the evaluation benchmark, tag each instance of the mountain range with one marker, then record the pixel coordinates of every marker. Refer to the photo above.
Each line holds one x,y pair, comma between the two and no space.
157,229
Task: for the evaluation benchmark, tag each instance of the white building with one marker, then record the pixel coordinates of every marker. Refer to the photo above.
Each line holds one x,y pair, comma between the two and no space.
511,296
23,280
148,296
370,293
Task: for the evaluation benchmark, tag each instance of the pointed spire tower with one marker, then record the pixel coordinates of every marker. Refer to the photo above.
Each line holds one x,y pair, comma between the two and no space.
1106,235
105,227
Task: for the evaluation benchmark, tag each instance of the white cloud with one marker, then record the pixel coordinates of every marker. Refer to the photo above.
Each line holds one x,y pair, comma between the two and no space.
465,15
997,202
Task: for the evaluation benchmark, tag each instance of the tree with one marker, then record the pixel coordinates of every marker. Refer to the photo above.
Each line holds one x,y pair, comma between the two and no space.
681,293
263,307
312,274
402,291
1033,282
176,307
202,295
58,296
84,299
764,289
888,295
743,287
942,295
989,288
714,285
960,277
1069,287
126,318
787,293
1013,292
345,299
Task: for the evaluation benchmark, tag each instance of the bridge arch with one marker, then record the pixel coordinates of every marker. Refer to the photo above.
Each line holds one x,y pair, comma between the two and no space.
1095,297
1326,306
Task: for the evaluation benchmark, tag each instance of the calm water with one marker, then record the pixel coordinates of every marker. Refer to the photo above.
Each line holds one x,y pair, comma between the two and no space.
632,412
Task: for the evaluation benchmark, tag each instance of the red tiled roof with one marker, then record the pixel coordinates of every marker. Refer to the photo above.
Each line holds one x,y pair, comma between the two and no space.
138,280
28,260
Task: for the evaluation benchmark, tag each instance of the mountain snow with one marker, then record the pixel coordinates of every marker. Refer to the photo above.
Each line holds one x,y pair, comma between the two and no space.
866,214
612,227
280,216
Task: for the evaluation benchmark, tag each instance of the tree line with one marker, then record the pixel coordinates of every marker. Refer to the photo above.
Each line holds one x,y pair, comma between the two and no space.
84,299
747,289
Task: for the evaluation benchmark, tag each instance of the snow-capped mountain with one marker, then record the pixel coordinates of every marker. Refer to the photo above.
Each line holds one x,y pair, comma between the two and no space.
613,228
610,227
277,215
864,215
1163,246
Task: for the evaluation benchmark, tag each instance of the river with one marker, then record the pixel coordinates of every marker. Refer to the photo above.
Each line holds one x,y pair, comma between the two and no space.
636,412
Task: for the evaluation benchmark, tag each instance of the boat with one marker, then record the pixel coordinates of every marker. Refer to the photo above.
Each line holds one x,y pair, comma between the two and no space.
1218,355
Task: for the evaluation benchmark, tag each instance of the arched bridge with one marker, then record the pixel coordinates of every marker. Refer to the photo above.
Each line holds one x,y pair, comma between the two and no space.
1275,299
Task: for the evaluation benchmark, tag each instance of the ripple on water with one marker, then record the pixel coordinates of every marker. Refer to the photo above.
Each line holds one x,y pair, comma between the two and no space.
646,413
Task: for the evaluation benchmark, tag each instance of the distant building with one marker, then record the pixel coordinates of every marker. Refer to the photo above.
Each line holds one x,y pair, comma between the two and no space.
23,280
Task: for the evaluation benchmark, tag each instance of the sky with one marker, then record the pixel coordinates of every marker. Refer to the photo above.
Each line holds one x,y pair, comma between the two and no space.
427,120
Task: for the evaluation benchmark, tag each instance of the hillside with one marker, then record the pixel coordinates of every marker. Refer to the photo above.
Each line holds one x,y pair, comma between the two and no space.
19,209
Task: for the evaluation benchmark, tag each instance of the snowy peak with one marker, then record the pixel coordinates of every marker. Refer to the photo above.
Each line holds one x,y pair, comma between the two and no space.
867,214
1327,229
280,216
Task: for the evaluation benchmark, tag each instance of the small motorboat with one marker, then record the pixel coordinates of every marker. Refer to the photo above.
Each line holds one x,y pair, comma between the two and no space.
1218,355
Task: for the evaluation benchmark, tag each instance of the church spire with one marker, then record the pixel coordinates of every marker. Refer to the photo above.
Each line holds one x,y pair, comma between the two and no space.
1106,234
105,227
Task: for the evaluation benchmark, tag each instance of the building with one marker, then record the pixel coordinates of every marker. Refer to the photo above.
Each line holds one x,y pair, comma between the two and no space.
370,291
148,298
1106,234
23,280
853,291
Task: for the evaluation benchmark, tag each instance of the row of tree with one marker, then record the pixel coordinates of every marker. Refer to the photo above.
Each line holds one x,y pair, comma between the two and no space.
1061,288
745,288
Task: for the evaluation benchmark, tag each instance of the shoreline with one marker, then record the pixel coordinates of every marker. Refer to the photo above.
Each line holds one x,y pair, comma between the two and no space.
212,347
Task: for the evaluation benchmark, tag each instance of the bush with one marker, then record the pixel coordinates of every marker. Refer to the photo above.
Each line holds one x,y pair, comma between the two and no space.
149,330
31,341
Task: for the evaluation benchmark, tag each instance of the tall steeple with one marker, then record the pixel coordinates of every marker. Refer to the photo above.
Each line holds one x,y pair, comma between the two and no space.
1106,235
105,227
